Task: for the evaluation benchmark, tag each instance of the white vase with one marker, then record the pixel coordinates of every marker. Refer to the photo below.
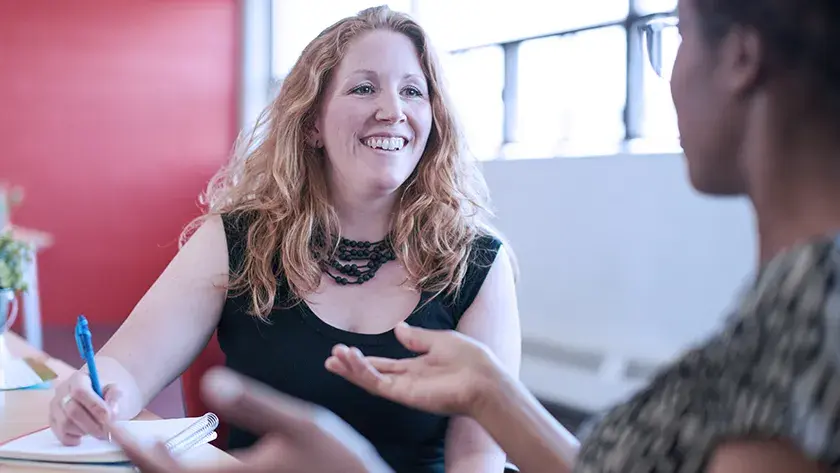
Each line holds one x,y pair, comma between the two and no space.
8,309
8,314
4,207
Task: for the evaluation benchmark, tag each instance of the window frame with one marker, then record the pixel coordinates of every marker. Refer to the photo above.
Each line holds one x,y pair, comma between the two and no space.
633,116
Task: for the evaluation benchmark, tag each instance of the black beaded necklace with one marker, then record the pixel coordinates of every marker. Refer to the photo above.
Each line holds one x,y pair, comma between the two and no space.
359,260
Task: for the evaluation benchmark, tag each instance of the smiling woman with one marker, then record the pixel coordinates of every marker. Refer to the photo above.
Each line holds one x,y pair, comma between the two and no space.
358,192
349,210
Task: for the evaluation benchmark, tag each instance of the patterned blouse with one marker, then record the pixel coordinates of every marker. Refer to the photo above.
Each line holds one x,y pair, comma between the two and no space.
774,371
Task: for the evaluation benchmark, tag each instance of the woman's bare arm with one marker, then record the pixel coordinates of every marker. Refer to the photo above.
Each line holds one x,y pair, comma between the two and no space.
172,322
531,437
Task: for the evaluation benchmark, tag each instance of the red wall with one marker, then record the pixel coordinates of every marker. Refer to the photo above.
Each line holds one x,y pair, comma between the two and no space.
113,115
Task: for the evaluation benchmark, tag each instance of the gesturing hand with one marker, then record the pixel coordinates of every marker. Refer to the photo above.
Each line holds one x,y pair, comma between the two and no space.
296,436
448,377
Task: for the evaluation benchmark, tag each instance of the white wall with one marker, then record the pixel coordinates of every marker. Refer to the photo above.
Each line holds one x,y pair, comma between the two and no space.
621,262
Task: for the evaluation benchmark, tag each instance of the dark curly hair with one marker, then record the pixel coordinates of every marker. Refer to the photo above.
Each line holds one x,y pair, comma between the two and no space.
800,35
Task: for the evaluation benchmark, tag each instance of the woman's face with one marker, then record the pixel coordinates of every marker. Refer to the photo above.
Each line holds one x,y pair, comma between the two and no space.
375,116
711,112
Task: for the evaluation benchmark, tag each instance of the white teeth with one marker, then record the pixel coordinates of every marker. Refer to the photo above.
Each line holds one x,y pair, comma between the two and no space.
391,144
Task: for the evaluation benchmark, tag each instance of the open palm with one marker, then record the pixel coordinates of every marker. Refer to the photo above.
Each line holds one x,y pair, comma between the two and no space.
446,378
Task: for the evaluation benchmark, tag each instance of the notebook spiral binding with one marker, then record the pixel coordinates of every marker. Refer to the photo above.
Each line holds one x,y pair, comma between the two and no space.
194,434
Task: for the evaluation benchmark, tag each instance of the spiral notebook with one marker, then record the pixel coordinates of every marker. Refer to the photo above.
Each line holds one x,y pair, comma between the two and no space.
179,435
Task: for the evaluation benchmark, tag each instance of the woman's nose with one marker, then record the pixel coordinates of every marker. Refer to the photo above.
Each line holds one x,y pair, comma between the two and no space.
390,108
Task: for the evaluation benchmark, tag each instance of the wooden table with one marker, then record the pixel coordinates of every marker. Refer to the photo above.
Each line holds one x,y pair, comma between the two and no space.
25,411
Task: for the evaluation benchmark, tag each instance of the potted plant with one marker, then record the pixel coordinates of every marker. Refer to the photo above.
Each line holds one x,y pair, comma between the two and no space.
14,256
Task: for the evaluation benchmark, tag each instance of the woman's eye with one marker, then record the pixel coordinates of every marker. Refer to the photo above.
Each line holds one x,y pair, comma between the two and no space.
363,90
413,92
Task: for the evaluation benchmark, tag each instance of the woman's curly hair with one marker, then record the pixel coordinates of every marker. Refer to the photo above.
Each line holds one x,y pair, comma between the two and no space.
278,180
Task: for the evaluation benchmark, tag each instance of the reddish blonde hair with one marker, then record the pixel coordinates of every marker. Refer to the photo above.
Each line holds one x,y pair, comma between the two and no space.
278,180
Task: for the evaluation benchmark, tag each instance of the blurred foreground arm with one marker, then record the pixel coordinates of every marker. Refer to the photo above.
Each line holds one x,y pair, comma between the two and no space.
296,436
458,376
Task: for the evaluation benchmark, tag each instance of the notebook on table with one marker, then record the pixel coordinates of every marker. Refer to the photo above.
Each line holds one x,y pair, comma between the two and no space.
179,435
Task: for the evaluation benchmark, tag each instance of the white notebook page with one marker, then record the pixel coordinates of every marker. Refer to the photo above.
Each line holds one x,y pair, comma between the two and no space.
44,446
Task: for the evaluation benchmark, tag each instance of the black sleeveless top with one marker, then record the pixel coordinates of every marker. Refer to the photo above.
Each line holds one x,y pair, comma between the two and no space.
289,353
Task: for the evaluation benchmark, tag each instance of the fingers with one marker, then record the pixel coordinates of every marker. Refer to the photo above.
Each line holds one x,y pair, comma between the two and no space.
159,460
416,339
292,431
85,408
65,430
76,411
379,376
389,365
156,460
251,405
83,394
266,451
82,419
346,359
350,364
112,395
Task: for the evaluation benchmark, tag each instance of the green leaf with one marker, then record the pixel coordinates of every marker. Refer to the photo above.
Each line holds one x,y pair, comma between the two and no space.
14,256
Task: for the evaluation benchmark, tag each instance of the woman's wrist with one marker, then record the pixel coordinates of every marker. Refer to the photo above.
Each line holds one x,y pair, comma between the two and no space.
491,386
111,371
521,426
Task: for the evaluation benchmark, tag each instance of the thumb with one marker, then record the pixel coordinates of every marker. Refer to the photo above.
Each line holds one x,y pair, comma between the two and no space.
112,395
416,339
284,422
156,460
251,405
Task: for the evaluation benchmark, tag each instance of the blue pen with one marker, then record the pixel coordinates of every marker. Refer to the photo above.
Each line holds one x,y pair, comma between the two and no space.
83,341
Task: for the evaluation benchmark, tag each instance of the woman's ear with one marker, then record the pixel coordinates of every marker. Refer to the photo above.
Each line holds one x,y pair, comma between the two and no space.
314,138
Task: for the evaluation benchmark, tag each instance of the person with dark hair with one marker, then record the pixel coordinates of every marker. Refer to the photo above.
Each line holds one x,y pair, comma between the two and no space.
756,85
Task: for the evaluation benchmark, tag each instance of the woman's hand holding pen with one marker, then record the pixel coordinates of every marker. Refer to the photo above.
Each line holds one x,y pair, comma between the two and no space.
450,376
76,410
81,406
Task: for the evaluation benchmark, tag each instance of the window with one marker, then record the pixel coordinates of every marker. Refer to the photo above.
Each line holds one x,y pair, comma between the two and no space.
476,82
296,22
532,78
460,24
646,7
571,92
